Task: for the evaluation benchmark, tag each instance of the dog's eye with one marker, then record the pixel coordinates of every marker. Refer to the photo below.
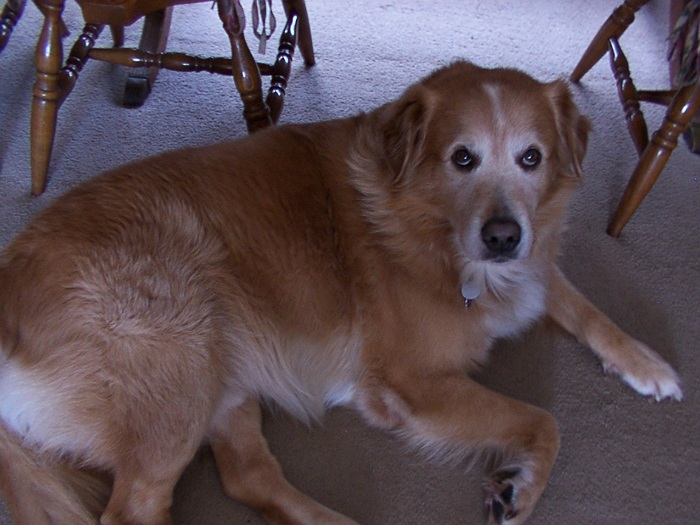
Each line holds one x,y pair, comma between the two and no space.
531,158
464,159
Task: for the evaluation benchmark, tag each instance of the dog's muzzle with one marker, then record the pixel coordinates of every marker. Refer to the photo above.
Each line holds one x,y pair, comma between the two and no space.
501,237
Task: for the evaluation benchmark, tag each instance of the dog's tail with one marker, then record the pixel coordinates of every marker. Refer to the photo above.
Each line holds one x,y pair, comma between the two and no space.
42,490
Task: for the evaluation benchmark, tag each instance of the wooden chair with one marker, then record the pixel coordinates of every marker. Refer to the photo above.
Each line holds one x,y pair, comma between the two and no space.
8,19
55,80
683,103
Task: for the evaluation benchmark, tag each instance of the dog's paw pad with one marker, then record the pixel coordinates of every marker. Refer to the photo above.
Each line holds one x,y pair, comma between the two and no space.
500,495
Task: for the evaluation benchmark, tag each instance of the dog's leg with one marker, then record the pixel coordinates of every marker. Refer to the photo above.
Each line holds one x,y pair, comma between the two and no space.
450,415
143,495
638,365
251,475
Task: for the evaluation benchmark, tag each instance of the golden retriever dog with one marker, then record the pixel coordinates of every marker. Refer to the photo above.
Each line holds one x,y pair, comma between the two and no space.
368,262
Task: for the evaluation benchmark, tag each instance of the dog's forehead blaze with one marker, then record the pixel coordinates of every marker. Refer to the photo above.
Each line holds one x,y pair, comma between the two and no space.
518,118
495,115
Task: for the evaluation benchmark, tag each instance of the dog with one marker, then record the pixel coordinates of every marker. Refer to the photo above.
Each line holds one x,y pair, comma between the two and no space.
368,262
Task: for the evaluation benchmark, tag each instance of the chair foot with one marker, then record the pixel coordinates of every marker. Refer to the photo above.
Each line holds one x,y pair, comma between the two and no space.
136,91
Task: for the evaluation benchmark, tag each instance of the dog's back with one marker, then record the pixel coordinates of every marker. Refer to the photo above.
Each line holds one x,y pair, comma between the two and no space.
128,297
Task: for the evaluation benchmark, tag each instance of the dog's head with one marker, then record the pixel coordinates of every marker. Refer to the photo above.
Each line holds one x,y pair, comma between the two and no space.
489,157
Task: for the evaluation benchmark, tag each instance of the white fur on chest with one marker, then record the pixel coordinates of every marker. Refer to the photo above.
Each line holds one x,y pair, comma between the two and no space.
513,297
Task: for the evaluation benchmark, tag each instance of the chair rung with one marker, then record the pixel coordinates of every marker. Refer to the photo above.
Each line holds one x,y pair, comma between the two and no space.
663,97
171,61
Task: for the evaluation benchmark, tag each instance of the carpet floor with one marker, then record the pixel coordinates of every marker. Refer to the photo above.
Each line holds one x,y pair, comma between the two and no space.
625,460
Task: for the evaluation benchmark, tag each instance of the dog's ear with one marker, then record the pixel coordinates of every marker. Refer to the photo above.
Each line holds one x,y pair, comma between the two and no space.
572,127
403,127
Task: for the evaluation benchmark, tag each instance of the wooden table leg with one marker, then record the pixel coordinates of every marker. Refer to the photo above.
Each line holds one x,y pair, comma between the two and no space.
154,38
246,74
48,58
614,26
684,106
8,19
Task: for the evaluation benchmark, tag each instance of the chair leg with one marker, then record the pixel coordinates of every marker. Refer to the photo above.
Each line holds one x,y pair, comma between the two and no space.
305,42
614,26
282,68
77,58
629,97
8,19
117,35
46,92
154,38
685,105
246,74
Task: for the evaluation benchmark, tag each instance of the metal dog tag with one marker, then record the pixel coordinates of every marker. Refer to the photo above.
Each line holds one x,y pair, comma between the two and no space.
471,289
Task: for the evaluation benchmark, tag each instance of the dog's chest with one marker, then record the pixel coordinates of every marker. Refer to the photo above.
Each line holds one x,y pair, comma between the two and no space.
508,313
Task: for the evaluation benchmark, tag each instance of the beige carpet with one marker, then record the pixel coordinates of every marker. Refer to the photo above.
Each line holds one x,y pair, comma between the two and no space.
625,460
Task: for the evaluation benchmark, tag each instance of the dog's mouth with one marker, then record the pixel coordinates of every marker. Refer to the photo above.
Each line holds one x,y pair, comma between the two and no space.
499,259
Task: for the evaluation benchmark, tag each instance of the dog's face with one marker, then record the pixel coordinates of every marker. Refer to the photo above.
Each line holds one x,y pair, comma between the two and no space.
495,155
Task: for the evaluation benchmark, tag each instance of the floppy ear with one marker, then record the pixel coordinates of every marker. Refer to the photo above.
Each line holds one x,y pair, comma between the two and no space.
572,127
403,128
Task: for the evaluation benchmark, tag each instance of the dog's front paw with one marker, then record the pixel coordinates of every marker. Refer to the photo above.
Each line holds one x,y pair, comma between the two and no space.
499,503
505,498
645,371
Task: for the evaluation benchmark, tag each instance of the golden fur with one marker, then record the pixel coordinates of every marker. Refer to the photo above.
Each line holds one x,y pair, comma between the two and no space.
154,307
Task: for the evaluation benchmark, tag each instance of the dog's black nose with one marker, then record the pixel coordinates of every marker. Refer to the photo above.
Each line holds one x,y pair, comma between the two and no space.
501,236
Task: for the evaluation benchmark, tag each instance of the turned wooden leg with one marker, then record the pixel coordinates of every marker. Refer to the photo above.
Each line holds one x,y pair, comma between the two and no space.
628,97
246,74
305,42
614,26
76,59
117,35
8,19
282,68
48,58
154,38
684,106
